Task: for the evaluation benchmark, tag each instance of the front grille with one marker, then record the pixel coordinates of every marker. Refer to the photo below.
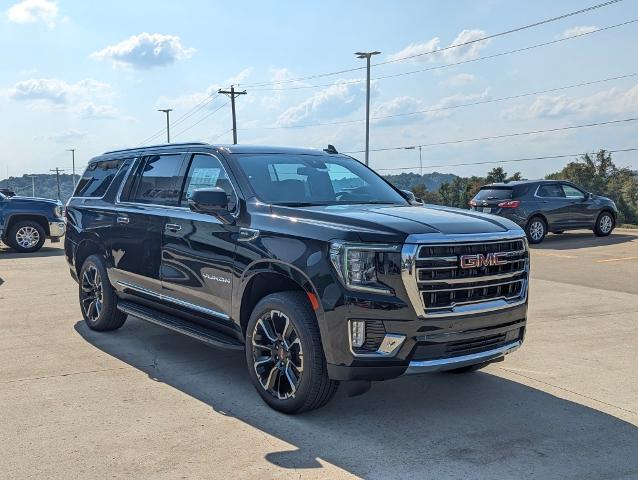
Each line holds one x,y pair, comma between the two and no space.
444,285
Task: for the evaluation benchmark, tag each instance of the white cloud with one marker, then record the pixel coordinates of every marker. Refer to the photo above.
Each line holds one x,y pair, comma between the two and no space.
338,100
91,111
603,104
570,32
417,49
402,110
461,53
458,80
68,136
30,11
146,50
55,91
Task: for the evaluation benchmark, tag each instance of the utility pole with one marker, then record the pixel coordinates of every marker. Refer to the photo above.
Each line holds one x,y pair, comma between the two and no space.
57,177
367,56
167,111
232,94
420,158
33,185
72,150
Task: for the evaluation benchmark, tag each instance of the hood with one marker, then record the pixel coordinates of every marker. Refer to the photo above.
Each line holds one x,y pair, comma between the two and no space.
46,201
394,222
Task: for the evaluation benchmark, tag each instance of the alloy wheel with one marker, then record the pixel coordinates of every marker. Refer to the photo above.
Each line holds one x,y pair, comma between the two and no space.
605,224
27,236
277,355
92,293
536,230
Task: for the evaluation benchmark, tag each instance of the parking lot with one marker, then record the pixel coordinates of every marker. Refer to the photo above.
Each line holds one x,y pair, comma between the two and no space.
143,402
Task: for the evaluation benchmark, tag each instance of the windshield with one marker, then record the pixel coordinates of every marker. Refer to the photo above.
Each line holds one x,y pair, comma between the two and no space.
304,180
494,194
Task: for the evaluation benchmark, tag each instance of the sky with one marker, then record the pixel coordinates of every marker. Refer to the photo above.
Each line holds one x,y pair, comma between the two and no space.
91,76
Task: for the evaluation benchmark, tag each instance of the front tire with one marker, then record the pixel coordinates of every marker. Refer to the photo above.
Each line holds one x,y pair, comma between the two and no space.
604,224
536,230
26,237
98,301
284,354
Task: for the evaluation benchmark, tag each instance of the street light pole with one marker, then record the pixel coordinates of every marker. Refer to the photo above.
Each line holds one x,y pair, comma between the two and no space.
367,56
167,111
420,161
72,150
32,185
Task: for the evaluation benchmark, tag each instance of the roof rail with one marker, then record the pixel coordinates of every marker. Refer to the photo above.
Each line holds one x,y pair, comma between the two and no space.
155,146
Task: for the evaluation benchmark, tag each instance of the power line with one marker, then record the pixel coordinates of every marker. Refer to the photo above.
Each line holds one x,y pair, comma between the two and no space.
202,119
500,34
507,135
487,162
513,30
461,62
450,107
220,134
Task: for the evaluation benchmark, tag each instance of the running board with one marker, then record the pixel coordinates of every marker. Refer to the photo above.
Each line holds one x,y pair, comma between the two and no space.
193,330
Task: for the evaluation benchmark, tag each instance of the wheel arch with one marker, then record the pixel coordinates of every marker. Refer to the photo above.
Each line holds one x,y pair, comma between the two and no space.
33,217
84,249
539,215
268,277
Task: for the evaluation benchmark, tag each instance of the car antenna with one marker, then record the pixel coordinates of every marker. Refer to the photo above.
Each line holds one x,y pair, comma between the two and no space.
330,149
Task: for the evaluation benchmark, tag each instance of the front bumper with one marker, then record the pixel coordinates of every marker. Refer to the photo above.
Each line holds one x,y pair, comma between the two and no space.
56,228
440,365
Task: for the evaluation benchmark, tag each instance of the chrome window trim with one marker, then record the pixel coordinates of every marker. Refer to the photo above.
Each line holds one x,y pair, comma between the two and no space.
409,256
441,364
136,160
107,188
176,301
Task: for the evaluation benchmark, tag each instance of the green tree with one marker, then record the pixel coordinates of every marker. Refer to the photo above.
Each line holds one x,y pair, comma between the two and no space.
497,174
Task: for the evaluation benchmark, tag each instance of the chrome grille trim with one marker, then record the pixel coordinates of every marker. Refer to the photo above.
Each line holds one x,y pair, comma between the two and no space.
499,295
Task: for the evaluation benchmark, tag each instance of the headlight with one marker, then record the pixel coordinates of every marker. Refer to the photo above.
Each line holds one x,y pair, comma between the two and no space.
357,264
58,211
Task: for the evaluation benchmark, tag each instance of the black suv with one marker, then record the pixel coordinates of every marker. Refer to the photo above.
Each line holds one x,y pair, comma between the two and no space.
306,259
541,206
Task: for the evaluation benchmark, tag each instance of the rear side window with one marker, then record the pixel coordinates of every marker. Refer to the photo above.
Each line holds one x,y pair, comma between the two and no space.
97,178
551,190
494,194
159,182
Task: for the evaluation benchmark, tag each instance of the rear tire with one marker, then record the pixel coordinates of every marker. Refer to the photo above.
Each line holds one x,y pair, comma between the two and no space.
536,230
98,301
605,224
26,236
285,356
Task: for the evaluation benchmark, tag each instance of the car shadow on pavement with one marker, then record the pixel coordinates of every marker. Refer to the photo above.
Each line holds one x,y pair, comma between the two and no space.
46,251
576,240
428,426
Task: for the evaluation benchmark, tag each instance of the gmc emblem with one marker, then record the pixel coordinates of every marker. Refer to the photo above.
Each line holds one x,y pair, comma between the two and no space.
480,260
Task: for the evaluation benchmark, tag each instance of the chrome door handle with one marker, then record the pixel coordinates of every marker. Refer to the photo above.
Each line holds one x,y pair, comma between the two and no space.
173,227
123,220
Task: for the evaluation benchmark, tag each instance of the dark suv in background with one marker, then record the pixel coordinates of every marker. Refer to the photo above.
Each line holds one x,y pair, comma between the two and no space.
306,259
541,206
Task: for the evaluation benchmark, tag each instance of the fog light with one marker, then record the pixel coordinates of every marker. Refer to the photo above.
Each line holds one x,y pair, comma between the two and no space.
357,332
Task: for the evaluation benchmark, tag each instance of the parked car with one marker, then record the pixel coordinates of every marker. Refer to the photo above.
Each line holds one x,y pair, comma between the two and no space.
26,222
541,206
315,266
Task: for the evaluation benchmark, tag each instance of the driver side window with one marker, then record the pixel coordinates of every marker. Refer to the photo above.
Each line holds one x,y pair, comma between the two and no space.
206,171
572,192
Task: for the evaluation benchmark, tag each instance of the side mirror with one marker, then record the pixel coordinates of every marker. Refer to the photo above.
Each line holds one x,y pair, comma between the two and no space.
212,201
411,198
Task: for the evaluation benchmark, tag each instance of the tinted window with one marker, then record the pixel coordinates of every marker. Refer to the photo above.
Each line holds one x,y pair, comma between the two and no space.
550,190
207,171
572,192
314,179
494,194
159,182
97,178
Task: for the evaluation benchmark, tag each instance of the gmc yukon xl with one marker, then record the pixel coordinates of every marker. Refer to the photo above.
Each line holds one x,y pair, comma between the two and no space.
310,262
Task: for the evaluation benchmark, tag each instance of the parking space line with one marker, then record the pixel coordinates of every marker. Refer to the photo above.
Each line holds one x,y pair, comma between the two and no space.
616,259
557,255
